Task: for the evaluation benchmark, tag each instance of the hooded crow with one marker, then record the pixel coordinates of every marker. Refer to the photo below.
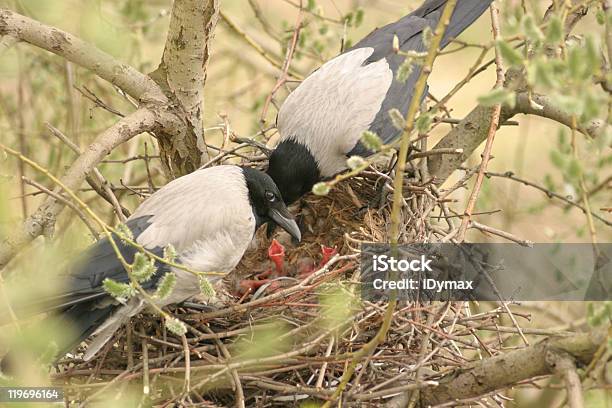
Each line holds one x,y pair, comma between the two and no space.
322,120
209,216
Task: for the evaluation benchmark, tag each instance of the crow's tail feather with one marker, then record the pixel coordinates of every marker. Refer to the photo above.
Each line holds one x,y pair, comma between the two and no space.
80,321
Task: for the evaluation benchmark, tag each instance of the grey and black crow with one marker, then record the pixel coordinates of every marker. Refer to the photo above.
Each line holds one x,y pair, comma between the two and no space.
208,216
322,120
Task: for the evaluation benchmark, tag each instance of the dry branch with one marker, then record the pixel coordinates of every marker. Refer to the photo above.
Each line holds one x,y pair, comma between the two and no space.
510,368
550,110
86,55
473,130
43,219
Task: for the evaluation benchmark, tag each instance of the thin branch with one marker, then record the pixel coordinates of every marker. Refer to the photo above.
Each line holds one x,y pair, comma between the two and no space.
398,184
544,106
99,184
43,219
500,233
549,194
72,48
92,228
258,48
494,124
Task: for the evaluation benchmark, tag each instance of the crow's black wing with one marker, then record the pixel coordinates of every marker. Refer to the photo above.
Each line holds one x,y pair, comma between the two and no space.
409,31
83,281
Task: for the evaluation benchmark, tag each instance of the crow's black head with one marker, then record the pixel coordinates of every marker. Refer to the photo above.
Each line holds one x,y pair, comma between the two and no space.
267,202
293,169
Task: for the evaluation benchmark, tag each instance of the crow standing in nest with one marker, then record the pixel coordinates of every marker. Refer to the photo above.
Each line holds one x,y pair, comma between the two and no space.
322,120
208,216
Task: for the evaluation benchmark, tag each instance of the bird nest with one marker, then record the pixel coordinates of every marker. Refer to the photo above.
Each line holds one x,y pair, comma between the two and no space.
288,343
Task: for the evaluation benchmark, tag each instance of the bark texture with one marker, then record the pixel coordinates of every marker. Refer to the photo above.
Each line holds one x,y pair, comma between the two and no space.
510,368
170,100
182,74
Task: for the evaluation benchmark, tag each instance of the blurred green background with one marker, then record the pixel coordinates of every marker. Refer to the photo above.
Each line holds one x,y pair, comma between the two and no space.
37,87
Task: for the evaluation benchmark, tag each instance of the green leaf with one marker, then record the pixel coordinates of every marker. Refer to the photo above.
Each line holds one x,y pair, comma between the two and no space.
601,17
321,189
575,63
405,69
592,55
175,326
143,267
427,36
549,183
571,104
348,19
337,305
124,233
497,96
592,106
355,162
531,29
423,122
397,119
509,54
170,253
165,285
49,355
574,169
371,141
206,288
557,159
120,291
540,73
554,32
596,317
359,16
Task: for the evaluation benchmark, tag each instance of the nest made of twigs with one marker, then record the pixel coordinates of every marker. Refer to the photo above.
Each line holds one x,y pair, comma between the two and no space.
356,210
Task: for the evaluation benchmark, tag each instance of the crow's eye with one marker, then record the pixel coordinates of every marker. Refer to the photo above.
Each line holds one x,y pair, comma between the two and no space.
270,196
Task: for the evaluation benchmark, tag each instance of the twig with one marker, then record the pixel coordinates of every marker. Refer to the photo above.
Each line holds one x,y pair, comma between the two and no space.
434,152
495,117
274,61
234,372
145,365
549,194
99,102
286,64
101,186
321,376
187,358
500,233
44,217
398,184
75,50
95,232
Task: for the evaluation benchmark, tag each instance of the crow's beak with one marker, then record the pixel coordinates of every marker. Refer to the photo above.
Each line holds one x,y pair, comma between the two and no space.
283,219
